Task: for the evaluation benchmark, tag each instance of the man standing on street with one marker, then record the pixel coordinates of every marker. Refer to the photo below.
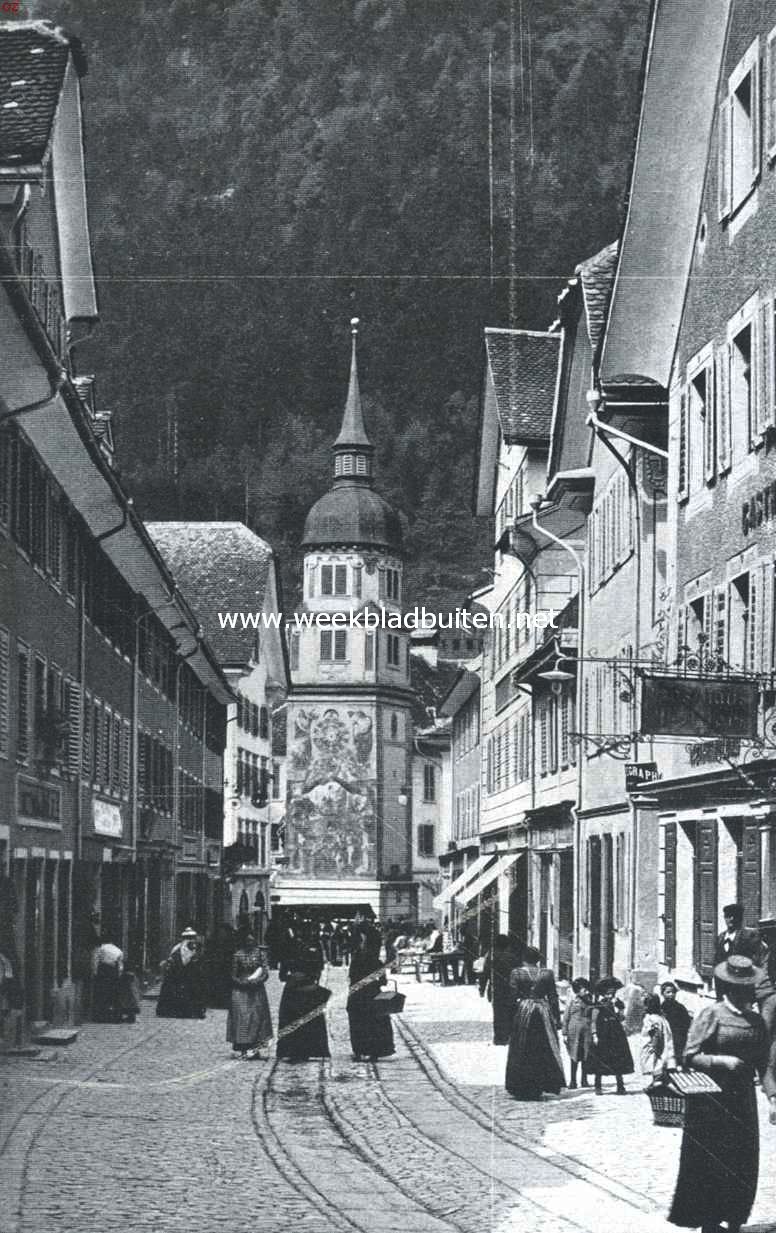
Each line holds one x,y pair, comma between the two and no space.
739,939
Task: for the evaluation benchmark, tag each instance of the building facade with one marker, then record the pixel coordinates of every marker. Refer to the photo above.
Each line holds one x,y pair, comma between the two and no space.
107,694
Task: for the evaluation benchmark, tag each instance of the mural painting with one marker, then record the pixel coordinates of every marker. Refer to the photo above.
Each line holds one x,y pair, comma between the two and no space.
330,823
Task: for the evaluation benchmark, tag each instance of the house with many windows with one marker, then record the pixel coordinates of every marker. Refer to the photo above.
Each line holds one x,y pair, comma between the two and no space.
111,706
713,808
226,571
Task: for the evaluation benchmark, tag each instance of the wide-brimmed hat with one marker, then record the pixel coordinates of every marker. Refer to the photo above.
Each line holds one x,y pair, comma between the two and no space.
188,932
608,984
738,970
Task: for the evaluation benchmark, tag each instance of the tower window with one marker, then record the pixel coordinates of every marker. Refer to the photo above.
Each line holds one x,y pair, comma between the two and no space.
340,579
327,580
369,652
429,782
338,465
426,839
347,464
392,646
294,652
334,644
357,580
394,726
360,465
392,584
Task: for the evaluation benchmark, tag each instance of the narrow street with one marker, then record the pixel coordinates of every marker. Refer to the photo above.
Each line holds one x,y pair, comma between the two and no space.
154,1125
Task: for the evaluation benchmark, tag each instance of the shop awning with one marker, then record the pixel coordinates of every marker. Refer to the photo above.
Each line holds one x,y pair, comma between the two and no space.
456,885
502,865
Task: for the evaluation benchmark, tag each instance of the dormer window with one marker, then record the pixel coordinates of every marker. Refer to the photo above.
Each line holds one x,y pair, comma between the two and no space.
361,465
347,465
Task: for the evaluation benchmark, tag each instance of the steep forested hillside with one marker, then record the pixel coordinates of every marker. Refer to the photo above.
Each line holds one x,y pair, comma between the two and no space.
261,170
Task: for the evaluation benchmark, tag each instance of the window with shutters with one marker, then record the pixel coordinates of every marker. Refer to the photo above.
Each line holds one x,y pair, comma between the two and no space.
738,621
695,629
748,869
705,896
340,645
429,782
741,394
700,422
5,691
738,134
126,757
73,734
393,650
340,579
327,580
356,572
327,644
263,723
117,770
722,387
294,652
426,839
765,394
86,739
719,630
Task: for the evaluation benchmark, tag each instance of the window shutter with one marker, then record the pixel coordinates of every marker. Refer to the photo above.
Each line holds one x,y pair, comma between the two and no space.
756,118
73,707
708,602
126,761
683,469
724,158
749,892
5,691
710,426
723,407
326,643
543,734
764,407
682,632
669,895
770,95
706,896
719,636
754,621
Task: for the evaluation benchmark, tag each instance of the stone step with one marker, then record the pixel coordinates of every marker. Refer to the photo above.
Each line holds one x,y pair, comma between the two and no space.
55,1036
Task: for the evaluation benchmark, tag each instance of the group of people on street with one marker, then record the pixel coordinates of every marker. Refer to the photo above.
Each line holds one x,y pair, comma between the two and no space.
299,954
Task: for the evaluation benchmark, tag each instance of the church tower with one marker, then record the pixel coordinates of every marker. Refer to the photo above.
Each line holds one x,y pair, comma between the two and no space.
347,840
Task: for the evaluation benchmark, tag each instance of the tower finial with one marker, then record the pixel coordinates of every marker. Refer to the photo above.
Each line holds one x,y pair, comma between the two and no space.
354,326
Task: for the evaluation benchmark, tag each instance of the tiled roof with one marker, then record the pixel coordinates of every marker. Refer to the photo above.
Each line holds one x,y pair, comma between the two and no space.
33,58
219,567
597,278
524,369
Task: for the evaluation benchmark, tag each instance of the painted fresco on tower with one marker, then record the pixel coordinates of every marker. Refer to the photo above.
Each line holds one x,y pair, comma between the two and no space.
330,824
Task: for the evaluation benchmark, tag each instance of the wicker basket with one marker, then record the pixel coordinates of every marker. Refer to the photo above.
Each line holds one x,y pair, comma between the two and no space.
667,1106
669,1099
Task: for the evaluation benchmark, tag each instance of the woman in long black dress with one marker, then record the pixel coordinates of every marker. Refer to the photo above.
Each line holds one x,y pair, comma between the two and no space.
609,1052
248,1024
534,1063
371,1034
301,1016
720,1155
182,995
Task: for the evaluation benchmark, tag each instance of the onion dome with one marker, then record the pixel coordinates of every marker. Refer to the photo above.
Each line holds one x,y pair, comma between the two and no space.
351,513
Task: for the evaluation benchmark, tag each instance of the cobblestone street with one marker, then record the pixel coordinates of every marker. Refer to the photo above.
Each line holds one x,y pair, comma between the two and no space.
155,1126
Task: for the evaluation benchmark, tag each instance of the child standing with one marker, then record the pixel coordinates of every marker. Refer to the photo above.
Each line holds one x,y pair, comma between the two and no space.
610,1052
576,1028
657,1043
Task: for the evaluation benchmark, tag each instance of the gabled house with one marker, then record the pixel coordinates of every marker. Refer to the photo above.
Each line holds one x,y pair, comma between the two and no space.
229,576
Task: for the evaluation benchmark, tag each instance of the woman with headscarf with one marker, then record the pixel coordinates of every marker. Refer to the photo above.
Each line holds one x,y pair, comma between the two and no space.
371,1034
248,1024
301,1017
505,955
182,995
677,1016
720,1155
534,1063
609,1049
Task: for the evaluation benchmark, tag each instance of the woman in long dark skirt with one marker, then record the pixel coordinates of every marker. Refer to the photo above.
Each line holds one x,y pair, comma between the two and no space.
371,1034
719,1162
182,995
609,1052
248,1024
534,1063
301,1017
505,955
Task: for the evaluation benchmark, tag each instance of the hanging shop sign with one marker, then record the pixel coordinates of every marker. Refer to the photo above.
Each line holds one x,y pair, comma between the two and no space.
107,819
639,773
685,706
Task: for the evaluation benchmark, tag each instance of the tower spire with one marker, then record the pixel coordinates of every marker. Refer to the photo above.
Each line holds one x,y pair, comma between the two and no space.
352,449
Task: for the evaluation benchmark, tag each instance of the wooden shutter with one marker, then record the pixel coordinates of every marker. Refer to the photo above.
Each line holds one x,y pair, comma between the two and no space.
770,95
754,624
723,408
682,632
719,644
126,761
764,343
756,116
543,737
710,426
73,710
669,894
683,469
749,871
5,691
705,896
724,158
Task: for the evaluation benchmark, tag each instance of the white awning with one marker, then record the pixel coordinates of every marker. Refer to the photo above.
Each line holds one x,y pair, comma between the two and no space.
503,864
470,872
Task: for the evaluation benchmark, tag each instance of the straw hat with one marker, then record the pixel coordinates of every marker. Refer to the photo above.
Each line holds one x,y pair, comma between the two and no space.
188,932
738,970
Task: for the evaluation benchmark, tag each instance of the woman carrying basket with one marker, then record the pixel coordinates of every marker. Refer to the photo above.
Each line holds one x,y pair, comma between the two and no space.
720,1153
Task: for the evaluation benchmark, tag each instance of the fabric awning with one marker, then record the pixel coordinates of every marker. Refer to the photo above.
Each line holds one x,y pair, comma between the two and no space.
502,865
470,872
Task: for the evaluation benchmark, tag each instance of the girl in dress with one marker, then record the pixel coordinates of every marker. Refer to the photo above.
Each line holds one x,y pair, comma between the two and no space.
576,1028
609,1049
